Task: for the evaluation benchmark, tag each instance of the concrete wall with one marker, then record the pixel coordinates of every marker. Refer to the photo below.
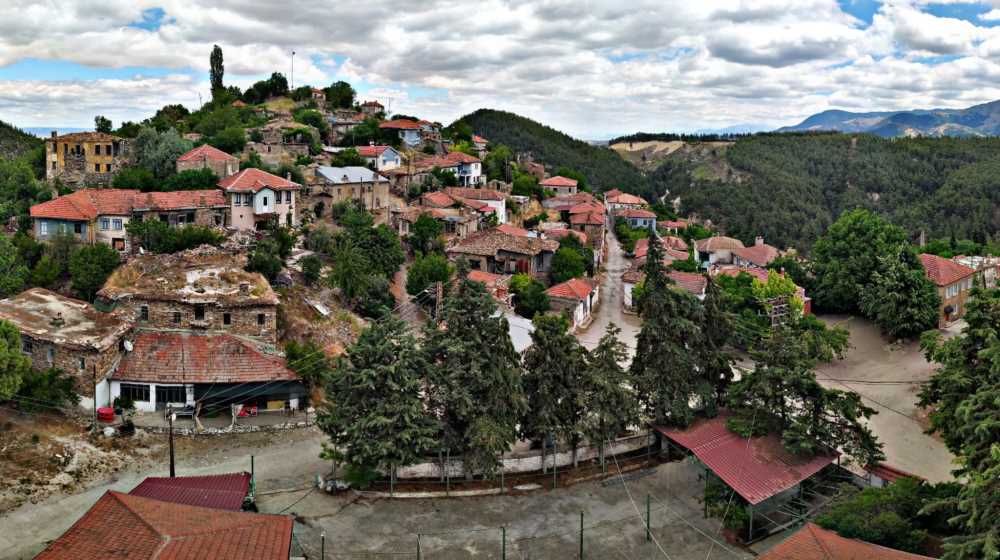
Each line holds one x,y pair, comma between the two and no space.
150,405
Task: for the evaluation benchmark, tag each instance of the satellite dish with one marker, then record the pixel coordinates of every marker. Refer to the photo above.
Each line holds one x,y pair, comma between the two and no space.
128,345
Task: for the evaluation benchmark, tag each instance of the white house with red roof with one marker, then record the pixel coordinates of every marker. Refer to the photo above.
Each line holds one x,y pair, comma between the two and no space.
617,200
637,217
560,185
382,158
470,169
494,199
255,196
578,297
207,157
409,131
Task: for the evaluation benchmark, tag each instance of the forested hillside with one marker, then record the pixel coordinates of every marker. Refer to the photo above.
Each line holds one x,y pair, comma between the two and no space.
14,142
790,187
604,168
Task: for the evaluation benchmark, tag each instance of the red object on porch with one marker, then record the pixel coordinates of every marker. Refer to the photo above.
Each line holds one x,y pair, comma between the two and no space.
106,414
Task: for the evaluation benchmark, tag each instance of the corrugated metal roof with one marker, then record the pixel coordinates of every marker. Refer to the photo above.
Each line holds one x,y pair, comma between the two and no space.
756,468
353,174
221,491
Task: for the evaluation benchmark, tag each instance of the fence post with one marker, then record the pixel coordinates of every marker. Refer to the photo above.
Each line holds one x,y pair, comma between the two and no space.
503,488
503,542
647,518
581,535
447,475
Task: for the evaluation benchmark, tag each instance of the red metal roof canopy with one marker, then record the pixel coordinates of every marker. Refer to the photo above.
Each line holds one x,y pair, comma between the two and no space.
222,491
756,469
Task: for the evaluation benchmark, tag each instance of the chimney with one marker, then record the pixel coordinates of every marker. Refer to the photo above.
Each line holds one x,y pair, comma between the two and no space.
201,201
759,242
244,288
57,321
288,175
371,143
55,133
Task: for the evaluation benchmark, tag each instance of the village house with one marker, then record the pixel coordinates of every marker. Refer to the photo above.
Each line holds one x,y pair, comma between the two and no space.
479,144
69,334
228,491
457,222
497,285
198,370
255,196
954,285
564,203
616,200
590,223
409,131
102,215
987,268
470,169
85,158
198,290
342,122
418,173
577,298
559,185
430,132
281,141
716,250
381,158
695,284
759,254
140,528
372,108
318,95
501,253
339,184
207,157
637,218
673,226
495,200
674,248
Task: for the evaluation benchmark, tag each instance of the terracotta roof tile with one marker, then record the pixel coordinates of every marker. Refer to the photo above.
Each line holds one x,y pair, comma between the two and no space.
371,151
437,199
134,527
182,357
253,179
220,491
592,206
513,230
479,139
942,271
559,181
635,213
587,219
718,243
179,200
206,152
461,157
813,542
624,198
574,288
476,194
760,255
488,242
86,204
85,137
400,124
559,233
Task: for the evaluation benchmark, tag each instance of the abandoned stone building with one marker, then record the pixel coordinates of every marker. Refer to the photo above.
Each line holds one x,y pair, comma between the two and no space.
202,289
68,334
85,158
208,157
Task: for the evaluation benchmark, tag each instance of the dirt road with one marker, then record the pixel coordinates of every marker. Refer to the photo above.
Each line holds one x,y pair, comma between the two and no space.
609,309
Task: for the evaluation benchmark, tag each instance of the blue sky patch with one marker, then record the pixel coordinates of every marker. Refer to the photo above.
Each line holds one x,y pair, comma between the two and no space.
152,19
62,70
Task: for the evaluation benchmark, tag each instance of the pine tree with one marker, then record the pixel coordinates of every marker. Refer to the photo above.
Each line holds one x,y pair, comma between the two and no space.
374,413
474,376
716,362
611,402
555,382
216,69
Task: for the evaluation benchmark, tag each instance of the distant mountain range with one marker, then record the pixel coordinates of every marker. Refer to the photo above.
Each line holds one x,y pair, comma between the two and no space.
978,120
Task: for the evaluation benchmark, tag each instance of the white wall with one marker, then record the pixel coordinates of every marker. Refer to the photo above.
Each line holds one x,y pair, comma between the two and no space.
263,201
150,406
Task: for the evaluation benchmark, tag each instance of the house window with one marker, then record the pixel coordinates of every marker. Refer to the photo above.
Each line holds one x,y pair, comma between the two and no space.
105,223
43,228
54,165
97,168
177,316
227,319
107,167
199,312
134,391
82,364
190,217
50,354
288,197
97,150
171,394
26,346
117,223
144,313
248,199
78,228
265,202
261,319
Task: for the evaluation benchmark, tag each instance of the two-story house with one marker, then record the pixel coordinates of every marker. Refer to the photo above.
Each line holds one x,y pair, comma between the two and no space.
470,169
954,285
85,158
339,184
498,252
409,131
381,158
254,196
207,157
559,185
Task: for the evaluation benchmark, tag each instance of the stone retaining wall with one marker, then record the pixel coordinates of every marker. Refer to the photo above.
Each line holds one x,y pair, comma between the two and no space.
235,429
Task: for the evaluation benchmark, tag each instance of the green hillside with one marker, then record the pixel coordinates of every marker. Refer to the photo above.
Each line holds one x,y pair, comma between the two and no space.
14,142
790,187
604,169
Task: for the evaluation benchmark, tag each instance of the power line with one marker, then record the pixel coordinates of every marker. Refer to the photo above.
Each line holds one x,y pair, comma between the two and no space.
637,512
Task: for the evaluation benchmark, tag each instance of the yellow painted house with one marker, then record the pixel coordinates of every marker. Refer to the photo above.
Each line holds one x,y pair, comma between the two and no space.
85,158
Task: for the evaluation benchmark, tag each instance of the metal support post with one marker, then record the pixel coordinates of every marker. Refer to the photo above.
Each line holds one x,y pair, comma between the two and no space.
581,535
648,538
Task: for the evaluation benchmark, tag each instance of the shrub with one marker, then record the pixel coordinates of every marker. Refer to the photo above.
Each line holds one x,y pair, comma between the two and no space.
89,267
312,267
51,386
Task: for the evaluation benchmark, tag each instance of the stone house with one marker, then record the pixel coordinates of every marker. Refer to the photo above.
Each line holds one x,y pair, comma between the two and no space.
339,184
372,108
197,290
577,297
495,200
502,253
987,268
254,196
318,95
178,208
759,254
68,334
954,285
458,223
207,157
85,158
560,185
695,284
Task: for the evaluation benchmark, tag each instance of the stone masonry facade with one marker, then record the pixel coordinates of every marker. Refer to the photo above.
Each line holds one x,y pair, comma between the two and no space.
255,321
81,363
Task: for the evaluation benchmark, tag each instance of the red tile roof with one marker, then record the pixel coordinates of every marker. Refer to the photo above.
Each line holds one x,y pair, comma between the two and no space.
676,224
437,199
512,230
756,469
612,193
624,198
220,491
718,243
587,219
487,278
813,542
85,137
760,255
690,281
558,181
85,205
635,213
206,152
942,271
122,526
182,357
371,151
479,139
253,179
574,288
587,207
476,194
675,247
559,233
489,242
461,157
179,200
889,473
400,124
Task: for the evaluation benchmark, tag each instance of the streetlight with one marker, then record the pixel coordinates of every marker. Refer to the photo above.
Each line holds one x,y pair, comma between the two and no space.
173,416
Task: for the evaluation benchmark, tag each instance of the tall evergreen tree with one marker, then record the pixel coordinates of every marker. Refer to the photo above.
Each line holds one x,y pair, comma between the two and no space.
901,300
715,360
555,382
216,69
611,402
374,413
474,376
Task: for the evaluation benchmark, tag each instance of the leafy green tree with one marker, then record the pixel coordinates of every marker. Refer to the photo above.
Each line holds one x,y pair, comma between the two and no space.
217,69
309,361
13,272
29,251
340,95
231,139
530,297
567,263
350,271
218,119
266,259
425,234
61,247
496,163
382,247
135,178
376,298
167,117
374,414
313,118
845,258
301,93
901,300
159,237
158,151
52,386
102,124
19,189
89,267
14,365
312,268
474,380
425,271
611,403
46,272
445,177
192,180
585,252
526,185
348,158
555,380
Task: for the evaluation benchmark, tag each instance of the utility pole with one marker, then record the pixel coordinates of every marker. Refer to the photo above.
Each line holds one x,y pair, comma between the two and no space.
292,86
581,535
171,439
93,369
322,545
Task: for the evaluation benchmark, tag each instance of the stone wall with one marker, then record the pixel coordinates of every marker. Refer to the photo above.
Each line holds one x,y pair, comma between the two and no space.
67,358
221,168
243,318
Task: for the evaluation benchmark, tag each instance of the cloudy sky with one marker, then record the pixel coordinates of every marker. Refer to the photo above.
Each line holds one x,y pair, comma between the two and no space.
590,68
